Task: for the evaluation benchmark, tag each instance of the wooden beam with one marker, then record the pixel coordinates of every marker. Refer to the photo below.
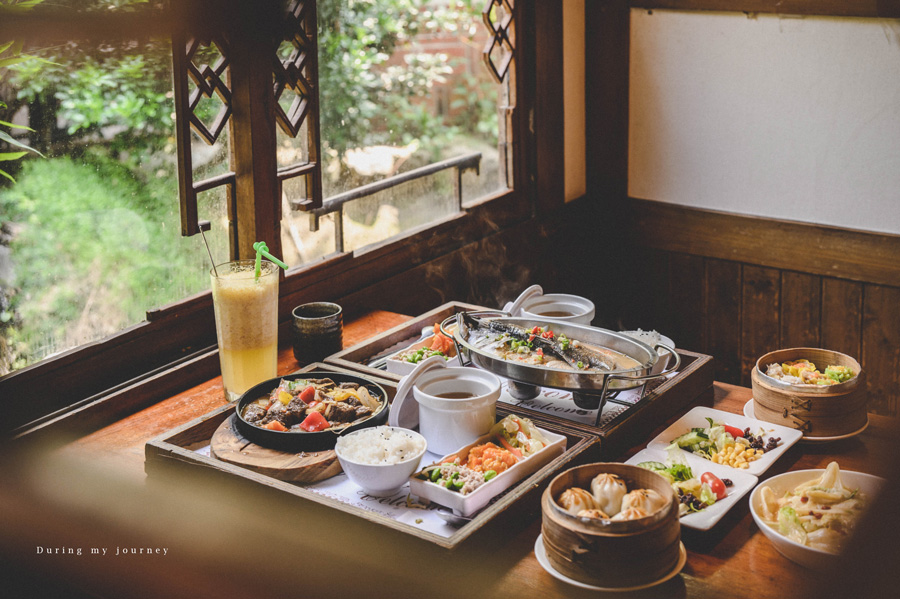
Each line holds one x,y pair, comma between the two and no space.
813,249
549,119
825,8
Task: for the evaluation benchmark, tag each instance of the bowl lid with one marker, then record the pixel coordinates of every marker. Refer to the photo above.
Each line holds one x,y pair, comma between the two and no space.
405,409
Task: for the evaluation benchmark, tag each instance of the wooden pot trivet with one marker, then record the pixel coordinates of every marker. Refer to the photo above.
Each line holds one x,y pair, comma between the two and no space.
228,445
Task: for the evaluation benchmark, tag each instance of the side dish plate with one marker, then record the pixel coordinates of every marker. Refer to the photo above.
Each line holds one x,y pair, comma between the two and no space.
707,518
466,505
696,418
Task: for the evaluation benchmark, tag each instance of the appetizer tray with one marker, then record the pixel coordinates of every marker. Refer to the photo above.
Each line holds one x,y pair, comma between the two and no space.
697,418
705,519
627,415
187,448
370,356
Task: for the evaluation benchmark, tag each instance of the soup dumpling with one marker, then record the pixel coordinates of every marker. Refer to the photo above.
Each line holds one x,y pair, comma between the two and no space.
608,490
595,514
631,513
575,500
647,500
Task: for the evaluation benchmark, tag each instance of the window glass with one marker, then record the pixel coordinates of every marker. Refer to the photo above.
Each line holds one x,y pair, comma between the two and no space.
402,85
91,227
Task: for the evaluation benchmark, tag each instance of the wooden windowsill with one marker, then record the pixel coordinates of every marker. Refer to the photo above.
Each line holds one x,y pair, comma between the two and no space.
122,443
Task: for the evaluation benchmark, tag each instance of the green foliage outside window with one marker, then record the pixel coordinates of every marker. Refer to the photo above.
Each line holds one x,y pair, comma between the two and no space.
90,250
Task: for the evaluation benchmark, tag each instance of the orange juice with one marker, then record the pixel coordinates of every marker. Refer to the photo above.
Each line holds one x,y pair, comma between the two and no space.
246,324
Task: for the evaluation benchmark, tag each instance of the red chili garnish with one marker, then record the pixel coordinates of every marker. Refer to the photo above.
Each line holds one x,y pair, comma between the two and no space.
539,352
547,335
530,338
536,330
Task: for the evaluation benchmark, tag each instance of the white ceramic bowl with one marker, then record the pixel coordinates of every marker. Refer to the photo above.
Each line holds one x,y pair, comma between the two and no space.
450,422
559,306
379,479
664,356
816,559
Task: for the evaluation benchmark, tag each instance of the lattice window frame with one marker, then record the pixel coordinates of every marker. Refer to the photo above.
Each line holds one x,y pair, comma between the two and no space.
502,36
300,73
297,73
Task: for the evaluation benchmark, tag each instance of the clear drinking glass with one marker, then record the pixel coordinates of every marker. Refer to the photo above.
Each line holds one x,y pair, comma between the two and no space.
246,323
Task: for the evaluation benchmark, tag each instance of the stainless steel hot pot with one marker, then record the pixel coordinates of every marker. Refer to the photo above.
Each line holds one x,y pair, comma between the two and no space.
590,389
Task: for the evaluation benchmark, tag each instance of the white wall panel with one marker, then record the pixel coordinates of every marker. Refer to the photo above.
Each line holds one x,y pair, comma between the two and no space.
794,118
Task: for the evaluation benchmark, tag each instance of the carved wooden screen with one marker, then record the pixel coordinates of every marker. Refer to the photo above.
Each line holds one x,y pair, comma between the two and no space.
296,77
294,74
500,48
193,83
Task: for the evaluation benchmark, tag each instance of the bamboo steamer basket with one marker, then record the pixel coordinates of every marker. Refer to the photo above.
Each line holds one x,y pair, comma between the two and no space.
818,411
605,553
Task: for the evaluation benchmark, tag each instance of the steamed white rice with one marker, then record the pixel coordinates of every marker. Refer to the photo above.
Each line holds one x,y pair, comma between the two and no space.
380,445
651,338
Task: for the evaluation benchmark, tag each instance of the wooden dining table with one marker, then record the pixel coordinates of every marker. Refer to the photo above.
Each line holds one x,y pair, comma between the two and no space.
227,538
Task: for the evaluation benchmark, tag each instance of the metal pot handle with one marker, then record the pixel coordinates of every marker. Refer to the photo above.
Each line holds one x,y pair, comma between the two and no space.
645,378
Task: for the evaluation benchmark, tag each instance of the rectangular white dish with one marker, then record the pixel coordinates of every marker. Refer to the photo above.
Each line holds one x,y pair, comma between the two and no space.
402,367
707,518
466,505
696,418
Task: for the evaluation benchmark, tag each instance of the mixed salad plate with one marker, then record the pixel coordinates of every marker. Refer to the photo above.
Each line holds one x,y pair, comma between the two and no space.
736,442
705,490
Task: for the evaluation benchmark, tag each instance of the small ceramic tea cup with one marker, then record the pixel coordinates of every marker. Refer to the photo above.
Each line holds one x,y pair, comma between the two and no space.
318,330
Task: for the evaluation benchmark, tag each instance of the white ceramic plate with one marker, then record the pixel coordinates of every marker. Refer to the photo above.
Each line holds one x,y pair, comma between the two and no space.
402,367
810,557
466,505
696,418
750,412
541,554
705,519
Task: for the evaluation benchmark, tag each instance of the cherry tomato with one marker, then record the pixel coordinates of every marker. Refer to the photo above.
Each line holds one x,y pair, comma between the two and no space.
715,484
733,431
307,394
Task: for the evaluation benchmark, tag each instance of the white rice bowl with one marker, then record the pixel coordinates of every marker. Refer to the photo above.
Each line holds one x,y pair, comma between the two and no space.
380,459
380,445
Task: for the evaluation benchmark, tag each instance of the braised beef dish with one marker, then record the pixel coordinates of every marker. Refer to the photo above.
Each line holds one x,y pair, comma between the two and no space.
311,405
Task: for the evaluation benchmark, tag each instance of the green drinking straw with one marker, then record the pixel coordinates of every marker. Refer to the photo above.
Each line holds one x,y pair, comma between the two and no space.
263,250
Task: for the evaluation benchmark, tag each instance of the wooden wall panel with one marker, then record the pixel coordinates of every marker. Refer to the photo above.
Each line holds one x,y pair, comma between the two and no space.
751,302
723,318
881,347
761,306
801,309
842,304
687,292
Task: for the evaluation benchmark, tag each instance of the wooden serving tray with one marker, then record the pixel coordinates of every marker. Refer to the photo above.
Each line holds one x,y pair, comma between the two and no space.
692,385
177,450
356,358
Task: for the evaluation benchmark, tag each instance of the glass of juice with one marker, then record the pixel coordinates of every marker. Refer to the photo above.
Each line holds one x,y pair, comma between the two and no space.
246,310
